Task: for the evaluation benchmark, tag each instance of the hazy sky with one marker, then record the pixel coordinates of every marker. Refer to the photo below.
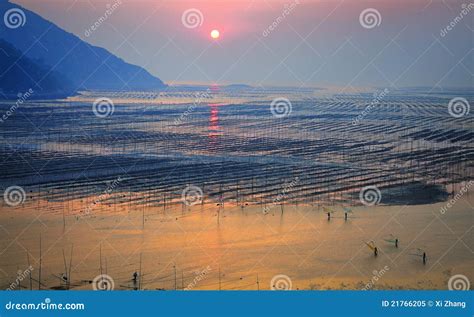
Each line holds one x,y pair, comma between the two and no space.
315,43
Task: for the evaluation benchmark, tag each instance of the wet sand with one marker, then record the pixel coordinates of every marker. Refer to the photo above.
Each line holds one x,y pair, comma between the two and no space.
247,246
110,188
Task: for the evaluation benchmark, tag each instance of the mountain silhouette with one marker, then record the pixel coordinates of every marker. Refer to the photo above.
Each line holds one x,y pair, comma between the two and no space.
86,66
19,74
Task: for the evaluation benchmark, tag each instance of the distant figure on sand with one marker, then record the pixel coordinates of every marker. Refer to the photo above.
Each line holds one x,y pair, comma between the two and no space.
345,215
329,216
372,247
392,239
420,253
135,276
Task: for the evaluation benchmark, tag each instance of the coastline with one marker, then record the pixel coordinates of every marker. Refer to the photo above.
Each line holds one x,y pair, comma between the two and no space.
243,243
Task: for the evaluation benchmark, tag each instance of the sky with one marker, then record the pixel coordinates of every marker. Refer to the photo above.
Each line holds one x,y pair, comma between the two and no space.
312,43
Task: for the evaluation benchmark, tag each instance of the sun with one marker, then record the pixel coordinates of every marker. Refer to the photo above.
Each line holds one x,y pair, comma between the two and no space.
215,34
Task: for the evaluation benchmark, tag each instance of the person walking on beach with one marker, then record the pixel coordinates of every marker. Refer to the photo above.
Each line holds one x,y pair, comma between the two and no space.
329,216
424,257
345,215
396,242
376,251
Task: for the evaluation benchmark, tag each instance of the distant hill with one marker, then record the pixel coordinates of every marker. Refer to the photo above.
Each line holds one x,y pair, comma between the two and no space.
237,87
19,74
86,66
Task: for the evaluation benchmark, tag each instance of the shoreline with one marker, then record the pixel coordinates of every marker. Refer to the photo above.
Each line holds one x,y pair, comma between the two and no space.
299,242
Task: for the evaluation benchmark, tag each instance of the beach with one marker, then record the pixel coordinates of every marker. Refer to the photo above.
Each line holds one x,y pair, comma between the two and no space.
227,192
245,245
